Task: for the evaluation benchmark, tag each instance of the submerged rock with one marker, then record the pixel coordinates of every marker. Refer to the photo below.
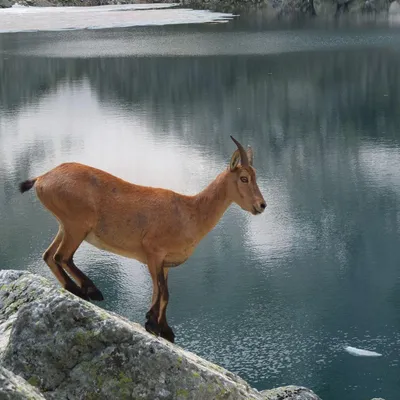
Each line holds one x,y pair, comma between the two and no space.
72,349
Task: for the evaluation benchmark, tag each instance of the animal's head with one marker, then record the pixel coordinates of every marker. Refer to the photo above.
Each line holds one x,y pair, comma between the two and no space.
244,189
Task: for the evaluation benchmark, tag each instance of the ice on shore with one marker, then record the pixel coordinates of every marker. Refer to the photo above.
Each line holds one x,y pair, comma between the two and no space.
27,19
354,351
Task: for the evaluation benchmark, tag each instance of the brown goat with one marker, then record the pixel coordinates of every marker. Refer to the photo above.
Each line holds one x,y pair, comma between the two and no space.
157,227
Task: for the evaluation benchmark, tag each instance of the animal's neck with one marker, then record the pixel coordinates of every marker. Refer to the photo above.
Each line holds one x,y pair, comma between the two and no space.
212,202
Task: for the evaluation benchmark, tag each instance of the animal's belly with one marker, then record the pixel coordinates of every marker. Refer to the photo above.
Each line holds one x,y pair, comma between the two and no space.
177,258
135,253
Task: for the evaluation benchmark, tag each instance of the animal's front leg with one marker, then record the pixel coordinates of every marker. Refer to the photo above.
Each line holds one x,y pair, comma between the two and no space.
165,330
167,333
152,315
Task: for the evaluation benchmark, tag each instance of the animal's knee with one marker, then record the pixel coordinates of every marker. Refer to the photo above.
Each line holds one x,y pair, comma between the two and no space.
46,256
59,259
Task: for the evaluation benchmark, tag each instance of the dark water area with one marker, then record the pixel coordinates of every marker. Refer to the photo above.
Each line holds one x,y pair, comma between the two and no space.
274,298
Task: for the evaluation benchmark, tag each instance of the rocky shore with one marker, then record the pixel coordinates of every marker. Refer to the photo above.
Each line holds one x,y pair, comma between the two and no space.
54,345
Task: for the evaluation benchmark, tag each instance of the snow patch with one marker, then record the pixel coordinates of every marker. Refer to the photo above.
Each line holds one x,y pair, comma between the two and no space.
28,19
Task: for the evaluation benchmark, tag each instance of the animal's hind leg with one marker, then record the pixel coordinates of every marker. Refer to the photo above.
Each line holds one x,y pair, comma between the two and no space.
65,281
85,283
70,242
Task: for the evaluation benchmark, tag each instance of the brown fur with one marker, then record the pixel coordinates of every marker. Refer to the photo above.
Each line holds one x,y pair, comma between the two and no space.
155,226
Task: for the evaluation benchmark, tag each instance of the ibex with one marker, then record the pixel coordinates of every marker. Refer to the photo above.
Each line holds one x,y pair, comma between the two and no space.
157,227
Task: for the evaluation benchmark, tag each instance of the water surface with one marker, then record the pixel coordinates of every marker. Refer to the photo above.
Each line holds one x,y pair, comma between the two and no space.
274,298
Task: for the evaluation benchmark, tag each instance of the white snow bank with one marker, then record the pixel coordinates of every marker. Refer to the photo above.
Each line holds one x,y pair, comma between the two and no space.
28,19
121,7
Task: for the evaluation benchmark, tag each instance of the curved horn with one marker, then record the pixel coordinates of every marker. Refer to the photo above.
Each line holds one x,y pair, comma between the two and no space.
243,155
250,155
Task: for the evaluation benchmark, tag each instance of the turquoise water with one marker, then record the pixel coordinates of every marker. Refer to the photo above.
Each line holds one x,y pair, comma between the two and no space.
274,298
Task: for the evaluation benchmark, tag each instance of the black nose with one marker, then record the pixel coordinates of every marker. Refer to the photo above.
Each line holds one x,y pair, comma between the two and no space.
263,205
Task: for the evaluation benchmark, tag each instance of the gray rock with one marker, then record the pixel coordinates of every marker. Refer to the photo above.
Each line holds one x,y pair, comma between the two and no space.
290,7
394,8
289,393
5,4
368,6
69,348
325,8
13,387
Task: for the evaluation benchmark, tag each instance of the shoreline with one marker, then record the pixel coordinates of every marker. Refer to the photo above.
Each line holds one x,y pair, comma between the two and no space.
269,8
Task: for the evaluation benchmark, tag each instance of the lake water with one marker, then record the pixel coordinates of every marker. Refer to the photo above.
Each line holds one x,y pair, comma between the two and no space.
274,298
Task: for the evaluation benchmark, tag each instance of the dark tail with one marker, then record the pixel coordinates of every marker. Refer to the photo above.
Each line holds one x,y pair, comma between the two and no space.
26,185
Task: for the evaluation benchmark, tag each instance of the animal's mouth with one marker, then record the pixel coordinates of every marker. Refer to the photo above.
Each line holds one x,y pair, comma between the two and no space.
254,211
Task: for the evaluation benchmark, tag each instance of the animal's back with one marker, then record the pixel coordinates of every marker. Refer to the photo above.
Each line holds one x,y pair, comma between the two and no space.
115,214
73,191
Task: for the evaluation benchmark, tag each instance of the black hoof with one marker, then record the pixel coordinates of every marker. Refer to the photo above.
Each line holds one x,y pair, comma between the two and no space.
75,289
152,327
94,294
168,334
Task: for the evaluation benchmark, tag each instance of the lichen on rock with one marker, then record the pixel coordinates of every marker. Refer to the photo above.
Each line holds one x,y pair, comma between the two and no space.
13,387
288,393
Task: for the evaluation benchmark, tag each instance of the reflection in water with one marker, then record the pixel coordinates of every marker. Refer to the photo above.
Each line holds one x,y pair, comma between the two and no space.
276,297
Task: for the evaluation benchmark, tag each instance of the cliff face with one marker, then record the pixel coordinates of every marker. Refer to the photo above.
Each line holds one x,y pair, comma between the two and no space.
54,345
323,8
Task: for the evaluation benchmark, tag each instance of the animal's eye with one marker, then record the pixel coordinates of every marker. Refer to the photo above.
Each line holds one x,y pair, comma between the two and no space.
244,179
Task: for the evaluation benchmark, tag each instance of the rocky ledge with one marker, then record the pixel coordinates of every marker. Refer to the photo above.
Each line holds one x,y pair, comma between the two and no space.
54,345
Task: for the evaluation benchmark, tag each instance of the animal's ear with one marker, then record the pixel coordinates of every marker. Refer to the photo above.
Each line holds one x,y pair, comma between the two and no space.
250,155
234,160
